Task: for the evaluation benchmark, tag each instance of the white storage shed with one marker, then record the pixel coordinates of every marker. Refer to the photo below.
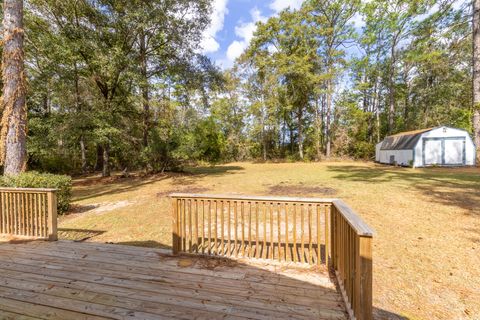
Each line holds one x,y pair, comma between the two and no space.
441,146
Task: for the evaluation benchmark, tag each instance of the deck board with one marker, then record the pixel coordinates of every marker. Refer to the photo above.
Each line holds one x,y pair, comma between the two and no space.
70,280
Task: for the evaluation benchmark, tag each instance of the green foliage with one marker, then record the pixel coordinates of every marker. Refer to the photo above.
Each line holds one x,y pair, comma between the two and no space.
132,92
33,179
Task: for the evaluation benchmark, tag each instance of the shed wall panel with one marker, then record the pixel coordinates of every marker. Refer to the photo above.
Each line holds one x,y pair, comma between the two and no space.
402,157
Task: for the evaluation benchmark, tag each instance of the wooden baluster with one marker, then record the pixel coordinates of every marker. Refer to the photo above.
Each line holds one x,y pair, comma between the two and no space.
24,204
2,208
235,233
203,226
45,207
15,213
264,249
190,226
29,214
34,215
11,208
257,230
222,229
229,248
40,217
279,232
44,216
180,224
2,212
184,225
319,258
216,244
287,245
7,212
249,229
242,214
209,227
196,227
327,235
25,213
310,252
271,230
302,235
295,253
20,214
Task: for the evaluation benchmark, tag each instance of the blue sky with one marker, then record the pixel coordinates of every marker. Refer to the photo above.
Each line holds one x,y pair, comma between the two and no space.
233,24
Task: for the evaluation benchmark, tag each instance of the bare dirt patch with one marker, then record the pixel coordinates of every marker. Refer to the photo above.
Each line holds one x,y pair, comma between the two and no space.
187,189
299,190
98,207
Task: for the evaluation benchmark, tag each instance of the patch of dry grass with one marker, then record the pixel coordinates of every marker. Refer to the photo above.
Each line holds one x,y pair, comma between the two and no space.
427,246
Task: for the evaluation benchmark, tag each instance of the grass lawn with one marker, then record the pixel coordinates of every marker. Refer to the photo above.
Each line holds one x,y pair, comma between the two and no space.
427,221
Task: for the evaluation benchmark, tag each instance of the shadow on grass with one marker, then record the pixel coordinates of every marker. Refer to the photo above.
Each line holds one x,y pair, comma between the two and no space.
449,186
78,235
119,186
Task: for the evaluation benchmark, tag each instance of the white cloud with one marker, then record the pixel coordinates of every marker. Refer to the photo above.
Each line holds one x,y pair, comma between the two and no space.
245,31
279,5
235,49
209,44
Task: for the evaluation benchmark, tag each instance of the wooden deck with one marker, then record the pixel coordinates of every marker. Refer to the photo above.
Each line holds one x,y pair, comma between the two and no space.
71,280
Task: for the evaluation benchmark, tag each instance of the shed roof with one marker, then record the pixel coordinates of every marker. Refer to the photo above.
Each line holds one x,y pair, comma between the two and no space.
403,140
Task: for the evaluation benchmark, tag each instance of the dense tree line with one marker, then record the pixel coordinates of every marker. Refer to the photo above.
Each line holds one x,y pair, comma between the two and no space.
324,85
121,84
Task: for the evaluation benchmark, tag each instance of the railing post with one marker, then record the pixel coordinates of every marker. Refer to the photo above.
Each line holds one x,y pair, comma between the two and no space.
175,238
363,279
52,215
333,234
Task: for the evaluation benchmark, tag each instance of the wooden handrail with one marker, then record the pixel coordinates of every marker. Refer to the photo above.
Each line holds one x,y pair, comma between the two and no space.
28,212
283,228
353,219
35,190
250,198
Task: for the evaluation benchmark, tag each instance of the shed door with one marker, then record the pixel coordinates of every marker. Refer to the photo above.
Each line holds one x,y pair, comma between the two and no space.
432,150
444,151
454,151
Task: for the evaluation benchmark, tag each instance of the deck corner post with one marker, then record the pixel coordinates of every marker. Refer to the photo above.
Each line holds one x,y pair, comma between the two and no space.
363,279
175,238
52,215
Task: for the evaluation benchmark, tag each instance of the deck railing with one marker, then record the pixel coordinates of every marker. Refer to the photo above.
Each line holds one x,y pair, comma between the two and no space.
352,259
28,212
306,230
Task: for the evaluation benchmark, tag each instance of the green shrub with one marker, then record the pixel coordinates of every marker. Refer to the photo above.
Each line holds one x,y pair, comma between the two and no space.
33,179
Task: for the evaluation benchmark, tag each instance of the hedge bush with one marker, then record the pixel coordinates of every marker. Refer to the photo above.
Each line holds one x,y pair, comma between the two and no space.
33,179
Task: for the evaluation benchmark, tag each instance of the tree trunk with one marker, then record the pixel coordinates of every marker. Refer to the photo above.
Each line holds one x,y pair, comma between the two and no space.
145,89
391,92
83,154
476,76
14,119
78,105
106,160
318,131
99,160
328,119
300,132
264,140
